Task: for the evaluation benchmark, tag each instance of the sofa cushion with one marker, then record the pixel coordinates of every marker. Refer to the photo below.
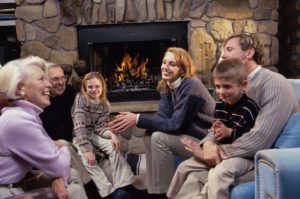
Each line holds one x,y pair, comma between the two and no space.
296,85
290,135
244,190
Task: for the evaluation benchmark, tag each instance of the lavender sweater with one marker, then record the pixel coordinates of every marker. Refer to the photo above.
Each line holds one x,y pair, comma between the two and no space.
24,144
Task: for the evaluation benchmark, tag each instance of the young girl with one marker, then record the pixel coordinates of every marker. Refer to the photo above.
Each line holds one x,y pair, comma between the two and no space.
90,113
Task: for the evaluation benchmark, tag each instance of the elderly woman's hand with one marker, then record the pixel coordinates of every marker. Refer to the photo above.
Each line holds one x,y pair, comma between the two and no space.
122,122
58,186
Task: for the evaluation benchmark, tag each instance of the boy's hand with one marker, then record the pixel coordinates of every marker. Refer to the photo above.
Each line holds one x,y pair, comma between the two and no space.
221,131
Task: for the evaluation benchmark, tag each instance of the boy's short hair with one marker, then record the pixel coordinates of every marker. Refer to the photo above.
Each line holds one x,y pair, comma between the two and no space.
230,69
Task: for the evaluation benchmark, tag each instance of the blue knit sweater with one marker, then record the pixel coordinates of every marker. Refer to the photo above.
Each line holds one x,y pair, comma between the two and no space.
187,109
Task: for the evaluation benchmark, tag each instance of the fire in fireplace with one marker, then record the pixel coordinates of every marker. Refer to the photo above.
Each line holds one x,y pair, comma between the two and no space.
129,55
130,69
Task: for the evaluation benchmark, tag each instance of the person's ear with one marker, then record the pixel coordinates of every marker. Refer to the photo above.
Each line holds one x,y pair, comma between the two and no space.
250,53
244,84
20,90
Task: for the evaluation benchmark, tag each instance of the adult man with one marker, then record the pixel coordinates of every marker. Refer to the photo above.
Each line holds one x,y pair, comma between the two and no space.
277,101
57,117
58,123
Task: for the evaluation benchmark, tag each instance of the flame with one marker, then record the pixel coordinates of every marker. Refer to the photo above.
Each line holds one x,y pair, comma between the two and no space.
131,68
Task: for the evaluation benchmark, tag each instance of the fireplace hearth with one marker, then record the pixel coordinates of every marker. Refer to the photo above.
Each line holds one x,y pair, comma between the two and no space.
129,56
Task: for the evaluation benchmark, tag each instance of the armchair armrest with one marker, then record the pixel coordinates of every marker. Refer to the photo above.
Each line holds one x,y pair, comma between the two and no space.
277,173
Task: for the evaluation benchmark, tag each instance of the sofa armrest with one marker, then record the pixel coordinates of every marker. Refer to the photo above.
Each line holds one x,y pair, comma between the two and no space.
277,173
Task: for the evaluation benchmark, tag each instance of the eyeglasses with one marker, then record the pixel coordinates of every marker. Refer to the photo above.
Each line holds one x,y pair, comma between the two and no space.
58,79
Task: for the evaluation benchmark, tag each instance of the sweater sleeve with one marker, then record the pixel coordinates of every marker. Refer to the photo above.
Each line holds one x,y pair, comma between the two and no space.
185,108
36,148
277,102
79,121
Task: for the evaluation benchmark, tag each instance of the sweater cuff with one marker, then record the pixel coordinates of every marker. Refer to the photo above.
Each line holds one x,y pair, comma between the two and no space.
137,118
106,134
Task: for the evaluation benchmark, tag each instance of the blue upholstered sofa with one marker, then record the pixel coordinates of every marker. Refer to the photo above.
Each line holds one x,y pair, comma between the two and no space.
277,170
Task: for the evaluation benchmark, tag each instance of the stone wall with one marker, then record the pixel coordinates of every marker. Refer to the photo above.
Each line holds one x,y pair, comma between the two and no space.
47,28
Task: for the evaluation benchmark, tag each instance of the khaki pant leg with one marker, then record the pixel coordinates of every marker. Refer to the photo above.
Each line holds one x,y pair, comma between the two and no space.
188,180
75,186
76,162
224,175
121,172
160,150
103,183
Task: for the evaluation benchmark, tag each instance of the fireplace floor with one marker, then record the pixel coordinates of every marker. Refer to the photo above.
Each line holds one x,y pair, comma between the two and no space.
134,106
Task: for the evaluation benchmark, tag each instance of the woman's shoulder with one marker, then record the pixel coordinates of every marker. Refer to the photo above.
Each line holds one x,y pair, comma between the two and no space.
17,118
192,82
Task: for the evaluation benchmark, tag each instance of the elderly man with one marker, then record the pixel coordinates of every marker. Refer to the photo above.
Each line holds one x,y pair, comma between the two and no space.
277,101
56,117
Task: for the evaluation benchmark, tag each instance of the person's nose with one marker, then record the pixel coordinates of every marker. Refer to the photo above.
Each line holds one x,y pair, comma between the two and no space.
94,89
222,91
48,84
165,66
61,80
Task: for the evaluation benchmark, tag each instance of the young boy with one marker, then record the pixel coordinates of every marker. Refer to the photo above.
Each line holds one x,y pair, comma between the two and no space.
235,114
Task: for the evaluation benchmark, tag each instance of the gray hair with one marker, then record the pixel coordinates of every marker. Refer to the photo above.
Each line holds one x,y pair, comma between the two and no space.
15,72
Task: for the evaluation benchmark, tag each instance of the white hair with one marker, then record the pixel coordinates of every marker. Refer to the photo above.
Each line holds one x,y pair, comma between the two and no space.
15,72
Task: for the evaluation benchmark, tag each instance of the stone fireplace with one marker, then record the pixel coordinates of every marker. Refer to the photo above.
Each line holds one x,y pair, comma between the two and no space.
129,56
68,30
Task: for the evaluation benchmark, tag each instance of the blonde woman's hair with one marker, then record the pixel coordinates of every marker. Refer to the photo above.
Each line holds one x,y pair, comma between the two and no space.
184,61
15,72
91,75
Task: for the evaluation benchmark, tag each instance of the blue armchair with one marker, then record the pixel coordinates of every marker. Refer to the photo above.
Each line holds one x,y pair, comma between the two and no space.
277,171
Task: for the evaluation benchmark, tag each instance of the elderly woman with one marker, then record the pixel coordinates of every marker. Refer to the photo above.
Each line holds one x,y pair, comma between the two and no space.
24,144
185,109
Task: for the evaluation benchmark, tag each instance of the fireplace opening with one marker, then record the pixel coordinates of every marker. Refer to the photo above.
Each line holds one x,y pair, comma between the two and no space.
131,69
129,56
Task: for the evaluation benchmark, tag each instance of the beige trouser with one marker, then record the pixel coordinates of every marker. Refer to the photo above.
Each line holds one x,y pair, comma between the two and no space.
188,180
76,162
191,175
75,188
111,174
223,176
160,150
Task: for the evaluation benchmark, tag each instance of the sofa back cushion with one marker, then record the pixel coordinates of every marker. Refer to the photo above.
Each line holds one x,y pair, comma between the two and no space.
296,85
290,135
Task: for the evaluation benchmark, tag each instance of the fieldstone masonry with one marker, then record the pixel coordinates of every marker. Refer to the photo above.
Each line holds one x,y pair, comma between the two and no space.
47,27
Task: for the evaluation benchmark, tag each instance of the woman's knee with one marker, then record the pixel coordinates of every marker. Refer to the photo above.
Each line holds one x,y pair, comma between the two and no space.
157,137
